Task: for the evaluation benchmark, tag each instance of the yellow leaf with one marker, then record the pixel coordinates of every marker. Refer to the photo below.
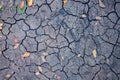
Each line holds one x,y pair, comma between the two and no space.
40,69
30,2
7,75
37,73
22,4
26,54
94,53
65,2
16,46
1,25
78,55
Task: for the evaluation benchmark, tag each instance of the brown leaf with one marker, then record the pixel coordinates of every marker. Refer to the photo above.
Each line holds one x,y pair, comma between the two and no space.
40,69
22,4
65,2
16,46
94,52
101,4
26,54
30,2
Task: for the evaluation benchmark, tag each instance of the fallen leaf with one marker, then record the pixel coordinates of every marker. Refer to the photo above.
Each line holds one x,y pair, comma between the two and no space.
37,73
96,23
43,58
98,17
0,52
65,2
30,2
62,58
22,4
1,37
101,4
84,16
26,54
107,61
1,7
7,75
22,10
15,40
94,52
45,53
78,55
40,69
16,46
1,25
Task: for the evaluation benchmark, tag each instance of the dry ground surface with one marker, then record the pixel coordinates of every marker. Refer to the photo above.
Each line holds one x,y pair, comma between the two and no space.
53,40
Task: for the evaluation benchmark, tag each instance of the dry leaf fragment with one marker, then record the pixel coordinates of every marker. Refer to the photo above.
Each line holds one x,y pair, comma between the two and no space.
7,75
78,55
65,2
37,73
94,52
15,40
1,37
107,61
22,4
43,58
40,69
30,2
84,16
1,25
16,46
98,17
62,58
26,54
96,23
101,4
45,53
0,52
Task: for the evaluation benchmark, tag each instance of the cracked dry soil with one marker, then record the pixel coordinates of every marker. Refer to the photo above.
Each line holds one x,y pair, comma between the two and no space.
52,41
